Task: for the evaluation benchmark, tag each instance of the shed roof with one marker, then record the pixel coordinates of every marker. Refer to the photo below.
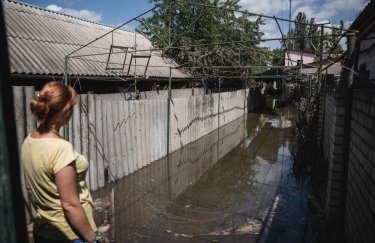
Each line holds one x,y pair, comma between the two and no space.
39,40
364,18
334,68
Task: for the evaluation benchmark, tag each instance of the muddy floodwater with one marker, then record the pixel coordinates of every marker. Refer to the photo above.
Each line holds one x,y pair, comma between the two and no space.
234,185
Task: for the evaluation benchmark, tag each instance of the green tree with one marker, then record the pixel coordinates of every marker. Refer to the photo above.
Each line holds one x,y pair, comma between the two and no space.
307,30
331,43
278,57
313,39
301,30
187,32
310,41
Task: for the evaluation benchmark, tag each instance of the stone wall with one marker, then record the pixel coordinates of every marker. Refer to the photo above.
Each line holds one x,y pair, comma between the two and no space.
333,150
360,205
360,178
320,125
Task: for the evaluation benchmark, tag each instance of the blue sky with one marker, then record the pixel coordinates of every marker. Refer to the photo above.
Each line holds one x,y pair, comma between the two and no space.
115,12
110,12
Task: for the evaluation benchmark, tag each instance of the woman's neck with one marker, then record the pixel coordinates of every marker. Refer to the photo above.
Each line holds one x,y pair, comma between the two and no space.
44,131
56,132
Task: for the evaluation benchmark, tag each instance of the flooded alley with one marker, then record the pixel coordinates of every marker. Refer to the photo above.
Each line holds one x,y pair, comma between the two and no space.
188,121
234,185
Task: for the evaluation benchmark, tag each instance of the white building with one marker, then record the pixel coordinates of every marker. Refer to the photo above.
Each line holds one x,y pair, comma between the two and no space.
293,58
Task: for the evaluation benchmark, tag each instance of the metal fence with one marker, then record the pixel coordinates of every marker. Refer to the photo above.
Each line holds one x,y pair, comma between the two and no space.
120,136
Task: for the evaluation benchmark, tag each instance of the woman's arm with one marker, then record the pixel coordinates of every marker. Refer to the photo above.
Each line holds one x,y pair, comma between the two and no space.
65,180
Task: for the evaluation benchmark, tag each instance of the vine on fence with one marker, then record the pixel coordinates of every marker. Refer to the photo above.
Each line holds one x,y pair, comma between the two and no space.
305,147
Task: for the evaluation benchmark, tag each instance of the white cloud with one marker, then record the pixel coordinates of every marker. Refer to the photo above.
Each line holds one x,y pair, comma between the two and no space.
267,7
272,7
308,10
327,9
271,31
54,7
320,9
83,14
343,5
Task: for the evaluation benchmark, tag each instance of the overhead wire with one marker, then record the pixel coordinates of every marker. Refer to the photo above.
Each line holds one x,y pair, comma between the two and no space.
240,42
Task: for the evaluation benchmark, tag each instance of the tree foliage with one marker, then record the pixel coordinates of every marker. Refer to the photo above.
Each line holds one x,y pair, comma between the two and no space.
187,32
278,57
331,42
310,41
305,29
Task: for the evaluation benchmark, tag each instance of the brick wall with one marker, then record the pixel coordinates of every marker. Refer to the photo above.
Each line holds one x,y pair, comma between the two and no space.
320,127
333,150
360,206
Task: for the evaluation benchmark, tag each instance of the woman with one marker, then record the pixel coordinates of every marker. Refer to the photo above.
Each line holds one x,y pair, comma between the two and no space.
55,173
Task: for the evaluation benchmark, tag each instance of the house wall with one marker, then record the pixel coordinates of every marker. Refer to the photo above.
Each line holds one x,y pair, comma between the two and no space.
366,58
360,205
359,185
333,142
294,56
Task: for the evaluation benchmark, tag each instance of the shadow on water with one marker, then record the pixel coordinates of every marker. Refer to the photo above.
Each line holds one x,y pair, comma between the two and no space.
233,185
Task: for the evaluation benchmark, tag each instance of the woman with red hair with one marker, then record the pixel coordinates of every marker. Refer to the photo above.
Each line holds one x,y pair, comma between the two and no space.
55,172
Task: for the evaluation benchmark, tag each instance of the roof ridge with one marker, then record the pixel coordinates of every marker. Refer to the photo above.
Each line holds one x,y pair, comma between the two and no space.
67,15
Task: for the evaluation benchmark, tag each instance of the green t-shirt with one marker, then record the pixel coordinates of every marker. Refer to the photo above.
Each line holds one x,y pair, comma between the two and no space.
42,158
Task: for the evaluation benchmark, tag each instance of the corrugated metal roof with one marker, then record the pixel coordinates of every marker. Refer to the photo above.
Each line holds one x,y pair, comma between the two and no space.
40,39
364,18
333,69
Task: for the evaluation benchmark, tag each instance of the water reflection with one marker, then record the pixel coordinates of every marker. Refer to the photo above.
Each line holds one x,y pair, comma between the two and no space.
233,185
